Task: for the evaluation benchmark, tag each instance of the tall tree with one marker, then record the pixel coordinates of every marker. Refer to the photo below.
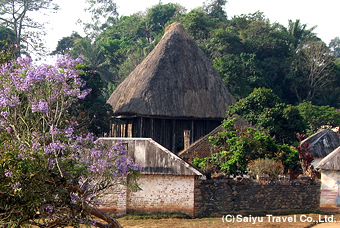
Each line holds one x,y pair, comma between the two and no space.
93,56
300,34
334,45
66,44
14,14
214,8
157,17
314,70
103,14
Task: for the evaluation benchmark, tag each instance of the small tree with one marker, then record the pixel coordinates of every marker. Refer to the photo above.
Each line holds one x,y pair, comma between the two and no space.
306,158
49,176
234,148
265,110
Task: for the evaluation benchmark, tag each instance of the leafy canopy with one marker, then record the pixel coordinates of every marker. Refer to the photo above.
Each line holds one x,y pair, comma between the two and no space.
235,147
263,109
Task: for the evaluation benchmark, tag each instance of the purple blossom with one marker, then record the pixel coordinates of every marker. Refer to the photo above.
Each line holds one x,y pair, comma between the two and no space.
54,130
74,198
34,107
84,93
8,173
49,209
25,88
40,106
121,195
69,131
16,186
5,114
43,106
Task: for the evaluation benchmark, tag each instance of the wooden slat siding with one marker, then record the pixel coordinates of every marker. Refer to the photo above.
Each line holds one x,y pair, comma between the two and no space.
167,132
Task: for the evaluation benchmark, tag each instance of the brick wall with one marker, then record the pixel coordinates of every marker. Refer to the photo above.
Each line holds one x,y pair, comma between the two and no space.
165,193
160,193
227,195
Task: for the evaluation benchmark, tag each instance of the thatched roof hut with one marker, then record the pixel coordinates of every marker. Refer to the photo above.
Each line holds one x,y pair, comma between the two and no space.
331,161
175,82
322,143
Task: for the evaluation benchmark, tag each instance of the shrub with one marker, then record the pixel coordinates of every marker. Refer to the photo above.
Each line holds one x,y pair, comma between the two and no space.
264,166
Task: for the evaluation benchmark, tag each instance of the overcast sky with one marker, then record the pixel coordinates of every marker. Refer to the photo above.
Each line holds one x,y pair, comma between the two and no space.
324,14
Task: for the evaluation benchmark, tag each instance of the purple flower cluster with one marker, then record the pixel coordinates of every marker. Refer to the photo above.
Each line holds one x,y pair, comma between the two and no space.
8,173
43,87
40,106
33,104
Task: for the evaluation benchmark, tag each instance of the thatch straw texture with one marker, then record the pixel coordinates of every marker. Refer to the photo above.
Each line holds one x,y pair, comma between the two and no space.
331,161
322,143
175,80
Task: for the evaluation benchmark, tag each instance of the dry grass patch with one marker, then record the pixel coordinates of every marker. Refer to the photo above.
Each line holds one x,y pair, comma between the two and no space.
152,222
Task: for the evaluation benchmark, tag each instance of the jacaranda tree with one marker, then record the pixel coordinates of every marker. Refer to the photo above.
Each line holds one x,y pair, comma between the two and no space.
49,176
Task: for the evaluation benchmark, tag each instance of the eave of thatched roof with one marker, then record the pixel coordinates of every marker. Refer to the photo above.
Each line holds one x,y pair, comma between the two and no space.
331,161
175,80
322,143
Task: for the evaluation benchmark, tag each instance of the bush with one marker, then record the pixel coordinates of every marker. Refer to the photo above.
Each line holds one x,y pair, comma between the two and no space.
264,166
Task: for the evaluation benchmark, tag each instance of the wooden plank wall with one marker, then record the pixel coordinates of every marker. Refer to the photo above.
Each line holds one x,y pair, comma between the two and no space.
167,132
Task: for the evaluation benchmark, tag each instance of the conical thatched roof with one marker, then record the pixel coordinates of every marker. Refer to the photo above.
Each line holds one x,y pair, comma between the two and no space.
331,161
322,143
175,80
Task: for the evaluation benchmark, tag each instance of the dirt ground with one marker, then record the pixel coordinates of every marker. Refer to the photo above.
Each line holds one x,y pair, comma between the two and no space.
299,220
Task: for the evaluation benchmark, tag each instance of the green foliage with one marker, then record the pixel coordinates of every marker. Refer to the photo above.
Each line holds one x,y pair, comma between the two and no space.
264,109
66,44
234,148
248,51
92,113
264,166
214,9
334,45
198,24
158,16
318,116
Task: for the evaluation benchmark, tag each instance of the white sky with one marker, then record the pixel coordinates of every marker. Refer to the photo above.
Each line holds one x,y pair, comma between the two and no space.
325,14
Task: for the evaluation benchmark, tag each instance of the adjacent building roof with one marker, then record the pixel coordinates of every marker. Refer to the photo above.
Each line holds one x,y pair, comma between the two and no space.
154,158
331,161
175,80
202,147
322,143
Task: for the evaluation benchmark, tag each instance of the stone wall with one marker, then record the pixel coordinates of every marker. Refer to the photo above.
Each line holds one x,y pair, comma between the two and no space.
228,195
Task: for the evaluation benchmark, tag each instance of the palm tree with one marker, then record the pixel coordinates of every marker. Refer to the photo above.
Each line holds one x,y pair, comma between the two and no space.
94,57
300,34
